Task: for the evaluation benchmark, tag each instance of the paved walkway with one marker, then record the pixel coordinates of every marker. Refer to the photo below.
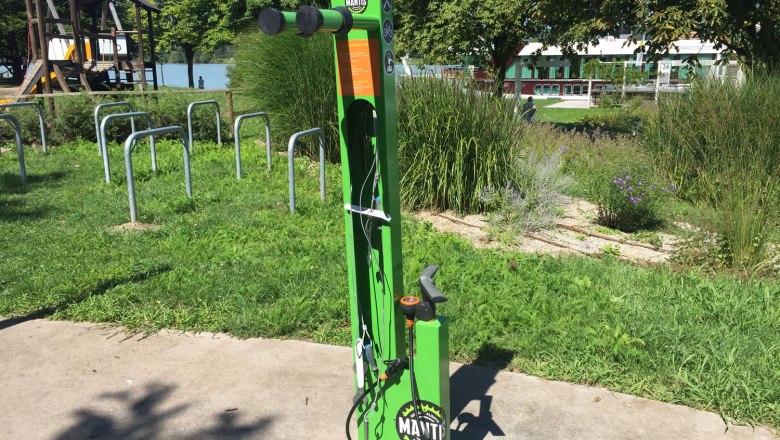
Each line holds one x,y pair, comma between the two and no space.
569,103
62,380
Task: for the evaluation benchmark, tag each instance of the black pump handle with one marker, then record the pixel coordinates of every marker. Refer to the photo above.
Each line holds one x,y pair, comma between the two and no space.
428,287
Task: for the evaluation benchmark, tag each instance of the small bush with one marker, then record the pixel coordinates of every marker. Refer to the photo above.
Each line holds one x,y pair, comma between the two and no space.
535,202
453,144
291,78
624,121
606,101
629,200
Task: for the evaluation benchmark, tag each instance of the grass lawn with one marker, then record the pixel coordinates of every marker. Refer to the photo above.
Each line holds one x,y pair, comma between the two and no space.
233,260
566,115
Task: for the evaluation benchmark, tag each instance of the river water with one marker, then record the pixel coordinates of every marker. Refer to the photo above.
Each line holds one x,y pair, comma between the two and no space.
175,75
215,75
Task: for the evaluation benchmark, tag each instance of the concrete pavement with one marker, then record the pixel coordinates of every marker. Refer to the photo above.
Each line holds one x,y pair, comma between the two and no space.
63,380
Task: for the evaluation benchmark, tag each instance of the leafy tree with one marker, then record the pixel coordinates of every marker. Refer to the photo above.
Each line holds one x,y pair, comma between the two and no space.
749,29
488,33
617,72
13,38
200,25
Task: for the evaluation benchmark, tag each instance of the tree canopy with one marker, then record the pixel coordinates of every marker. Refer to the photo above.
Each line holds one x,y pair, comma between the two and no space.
13,38
202,25
488,33
750,29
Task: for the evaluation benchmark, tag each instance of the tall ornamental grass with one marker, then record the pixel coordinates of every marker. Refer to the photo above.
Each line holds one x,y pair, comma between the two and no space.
720,142
453,144
292,79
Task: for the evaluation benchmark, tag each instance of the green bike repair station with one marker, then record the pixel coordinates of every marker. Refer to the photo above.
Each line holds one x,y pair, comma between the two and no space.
400,344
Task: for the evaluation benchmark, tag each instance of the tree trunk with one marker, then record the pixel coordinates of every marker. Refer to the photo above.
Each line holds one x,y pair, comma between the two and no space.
189,54
500,76
15,60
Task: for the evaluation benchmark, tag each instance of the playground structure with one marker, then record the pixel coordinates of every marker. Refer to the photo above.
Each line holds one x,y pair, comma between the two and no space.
402,392
75,59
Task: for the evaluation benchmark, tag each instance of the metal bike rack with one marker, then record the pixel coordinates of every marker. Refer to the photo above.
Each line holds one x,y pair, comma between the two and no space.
130,145
104,144
39,109
100,107
291,163
190,109
19,149
236,130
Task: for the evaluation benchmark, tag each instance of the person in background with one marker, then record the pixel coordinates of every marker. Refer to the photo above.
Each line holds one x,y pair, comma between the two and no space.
202,83
529,110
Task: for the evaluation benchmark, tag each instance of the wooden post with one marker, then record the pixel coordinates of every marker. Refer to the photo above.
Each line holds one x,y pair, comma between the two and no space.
140,45
44,55
152,53
94,42
117,69
31,30
229,105
77,42
103,17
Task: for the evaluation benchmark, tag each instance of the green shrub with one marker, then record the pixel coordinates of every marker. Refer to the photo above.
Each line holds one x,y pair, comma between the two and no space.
28,119
629,198
606,100
623,121
453,144
535,202
75,117
291,78
720,142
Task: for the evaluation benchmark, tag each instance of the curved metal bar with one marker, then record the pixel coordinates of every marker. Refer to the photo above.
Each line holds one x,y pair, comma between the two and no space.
237,131
190,109
291,164
104,144
130,146
19,149
100,107
41,116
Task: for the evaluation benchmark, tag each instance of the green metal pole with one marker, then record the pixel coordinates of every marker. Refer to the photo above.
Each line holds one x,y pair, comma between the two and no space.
365,69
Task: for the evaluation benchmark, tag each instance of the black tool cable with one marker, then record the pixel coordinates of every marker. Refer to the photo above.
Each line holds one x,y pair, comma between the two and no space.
356,404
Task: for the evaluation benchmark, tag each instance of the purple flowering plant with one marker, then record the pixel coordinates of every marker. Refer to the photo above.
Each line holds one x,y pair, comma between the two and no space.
629,199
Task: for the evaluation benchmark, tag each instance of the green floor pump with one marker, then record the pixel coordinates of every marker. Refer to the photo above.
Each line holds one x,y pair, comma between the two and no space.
400,344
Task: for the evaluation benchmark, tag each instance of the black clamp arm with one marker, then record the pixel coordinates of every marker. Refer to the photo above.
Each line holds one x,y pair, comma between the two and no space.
430,292
426,309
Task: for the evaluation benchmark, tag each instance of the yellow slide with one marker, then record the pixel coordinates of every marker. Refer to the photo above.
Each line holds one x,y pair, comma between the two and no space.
69,55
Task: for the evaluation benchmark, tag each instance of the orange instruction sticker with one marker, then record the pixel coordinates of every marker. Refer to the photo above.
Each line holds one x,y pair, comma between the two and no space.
358,67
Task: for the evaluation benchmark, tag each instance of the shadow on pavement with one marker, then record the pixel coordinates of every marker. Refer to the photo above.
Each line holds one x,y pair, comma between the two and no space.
128,415
470,383
98,290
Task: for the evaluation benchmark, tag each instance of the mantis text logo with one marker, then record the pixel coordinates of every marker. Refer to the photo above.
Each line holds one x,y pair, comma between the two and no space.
357,6
430,425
